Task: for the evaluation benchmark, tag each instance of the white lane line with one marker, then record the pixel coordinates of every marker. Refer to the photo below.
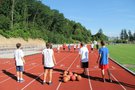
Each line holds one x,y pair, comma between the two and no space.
90,85
67,70
15,75
119,82
32,81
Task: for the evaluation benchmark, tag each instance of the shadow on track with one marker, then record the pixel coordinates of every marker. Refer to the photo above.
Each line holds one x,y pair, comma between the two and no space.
9,74
107,80
37,78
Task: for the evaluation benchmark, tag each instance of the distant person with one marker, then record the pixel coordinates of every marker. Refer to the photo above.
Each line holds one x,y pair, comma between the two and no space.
58,48
103,61
74,47
78,46
92,47
64,47
48,62
19,62
69,47
97,46
84,58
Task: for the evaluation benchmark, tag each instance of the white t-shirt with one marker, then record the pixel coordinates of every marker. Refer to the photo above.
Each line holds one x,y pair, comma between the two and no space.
48,57
92,45
18,55
84,53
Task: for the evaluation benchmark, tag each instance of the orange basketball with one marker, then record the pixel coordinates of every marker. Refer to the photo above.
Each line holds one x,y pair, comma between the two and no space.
70,73
75,74
68,76
64,75
65,79
73,77
79,77
65,72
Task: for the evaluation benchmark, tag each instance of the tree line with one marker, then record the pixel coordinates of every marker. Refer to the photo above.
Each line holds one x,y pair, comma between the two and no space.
33,19
126,36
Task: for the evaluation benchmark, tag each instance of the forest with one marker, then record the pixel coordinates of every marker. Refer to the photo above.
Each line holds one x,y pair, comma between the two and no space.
33,19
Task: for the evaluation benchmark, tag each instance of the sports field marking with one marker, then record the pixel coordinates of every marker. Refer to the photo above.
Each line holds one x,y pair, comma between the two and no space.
42,74
32,81
15,75
119,82
90,85
67,70
116,79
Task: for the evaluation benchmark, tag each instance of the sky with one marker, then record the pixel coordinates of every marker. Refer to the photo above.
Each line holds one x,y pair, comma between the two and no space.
110,15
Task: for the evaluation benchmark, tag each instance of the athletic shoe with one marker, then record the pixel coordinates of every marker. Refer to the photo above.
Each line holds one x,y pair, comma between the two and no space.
110,80
44,82
21,81
49,83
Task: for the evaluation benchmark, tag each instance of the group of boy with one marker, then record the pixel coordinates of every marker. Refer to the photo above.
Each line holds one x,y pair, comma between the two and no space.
49,61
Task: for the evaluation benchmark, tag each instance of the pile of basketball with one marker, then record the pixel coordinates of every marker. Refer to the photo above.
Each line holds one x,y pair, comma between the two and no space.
70,76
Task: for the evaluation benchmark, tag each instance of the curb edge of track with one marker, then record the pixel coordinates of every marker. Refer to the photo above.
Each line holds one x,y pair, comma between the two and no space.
122,66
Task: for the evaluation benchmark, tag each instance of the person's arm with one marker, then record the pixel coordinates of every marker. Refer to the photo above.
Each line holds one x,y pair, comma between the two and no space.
23,60
54,59
98,58
42,59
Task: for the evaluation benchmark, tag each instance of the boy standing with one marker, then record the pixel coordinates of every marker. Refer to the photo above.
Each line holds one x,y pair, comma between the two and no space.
84,58
103,61
19,61
48,62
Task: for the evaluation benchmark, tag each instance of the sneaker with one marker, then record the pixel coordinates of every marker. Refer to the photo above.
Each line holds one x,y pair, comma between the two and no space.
44,82
110,80
49,83
18,80
21,80
104,80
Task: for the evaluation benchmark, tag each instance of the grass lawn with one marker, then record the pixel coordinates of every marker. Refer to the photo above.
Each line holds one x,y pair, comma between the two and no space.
124,54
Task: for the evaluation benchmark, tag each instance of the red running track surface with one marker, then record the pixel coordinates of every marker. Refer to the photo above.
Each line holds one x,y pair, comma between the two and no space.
33,75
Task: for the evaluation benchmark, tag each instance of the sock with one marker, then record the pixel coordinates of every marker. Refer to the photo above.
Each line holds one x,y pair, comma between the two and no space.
21,78
18,78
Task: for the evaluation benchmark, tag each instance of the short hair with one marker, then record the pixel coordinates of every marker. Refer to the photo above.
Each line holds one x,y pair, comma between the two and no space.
82,44
47,45
102,43
18,45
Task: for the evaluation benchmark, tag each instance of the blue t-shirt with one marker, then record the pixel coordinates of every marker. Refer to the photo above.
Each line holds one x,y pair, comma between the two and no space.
104,55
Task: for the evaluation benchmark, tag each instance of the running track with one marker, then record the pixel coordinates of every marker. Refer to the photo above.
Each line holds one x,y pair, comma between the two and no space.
122,80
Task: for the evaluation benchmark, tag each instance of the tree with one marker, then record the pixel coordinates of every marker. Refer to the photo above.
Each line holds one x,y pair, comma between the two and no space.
125,35
130,35
12,14
122,35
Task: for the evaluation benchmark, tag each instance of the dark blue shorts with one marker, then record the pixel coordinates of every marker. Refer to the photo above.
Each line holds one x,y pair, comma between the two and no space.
19,68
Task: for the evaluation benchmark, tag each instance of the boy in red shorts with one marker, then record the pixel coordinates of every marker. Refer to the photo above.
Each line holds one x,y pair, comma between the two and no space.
103,61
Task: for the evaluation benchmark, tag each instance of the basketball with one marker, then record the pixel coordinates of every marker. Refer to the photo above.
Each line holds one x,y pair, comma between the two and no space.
79,77
73,77
65,79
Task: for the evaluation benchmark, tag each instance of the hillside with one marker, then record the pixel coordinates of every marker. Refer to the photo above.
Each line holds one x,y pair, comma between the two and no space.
32,19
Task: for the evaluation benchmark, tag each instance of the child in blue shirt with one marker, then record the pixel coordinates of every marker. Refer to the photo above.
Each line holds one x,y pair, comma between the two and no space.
103,61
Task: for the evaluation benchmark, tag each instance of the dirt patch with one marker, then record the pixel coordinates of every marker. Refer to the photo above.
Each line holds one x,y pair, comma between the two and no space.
129,65
11,42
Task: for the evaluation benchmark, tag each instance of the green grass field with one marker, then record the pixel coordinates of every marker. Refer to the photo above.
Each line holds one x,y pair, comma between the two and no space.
124,54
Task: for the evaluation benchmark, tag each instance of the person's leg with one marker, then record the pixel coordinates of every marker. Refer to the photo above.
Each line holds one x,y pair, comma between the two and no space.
50,75
21,76
85,71
18,77
103,74
45,75
109,74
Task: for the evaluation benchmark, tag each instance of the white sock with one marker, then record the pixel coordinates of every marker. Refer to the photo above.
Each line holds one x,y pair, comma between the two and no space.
21,78
18,78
